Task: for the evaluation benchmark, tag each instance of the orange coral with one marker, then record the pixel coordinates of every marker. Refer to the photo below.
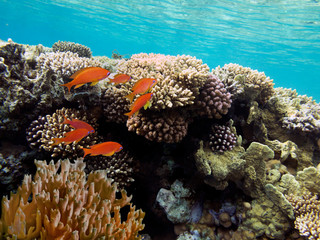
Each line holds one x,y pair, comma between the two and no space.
68,205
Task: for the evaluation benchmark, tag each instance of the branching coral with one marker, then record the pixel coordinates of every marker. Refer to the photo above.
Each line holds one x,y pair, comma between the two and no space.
82,50
68,205
165,126
115,105
119,167
64,64
221,138
307,213
179,77
214,99
42,130
245,83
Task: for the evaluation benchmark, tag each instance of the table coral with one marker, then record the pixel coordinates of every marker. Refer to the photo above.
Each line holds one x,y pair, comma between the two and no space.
179,77
245,83
307,213
64,64
64,46
68,204
42,130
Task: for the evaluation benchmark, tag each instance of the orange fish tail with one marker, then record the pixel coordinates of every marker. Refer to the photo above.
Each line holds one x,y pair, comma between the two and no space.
130,97
86,151
129,114
68,85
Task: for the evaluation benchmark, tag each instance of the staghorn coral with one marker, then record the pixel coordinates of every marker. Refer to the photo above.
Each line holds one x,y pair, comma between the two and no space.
119,167
214,100
68,205
64,64
42,130
307,213
164,126
115,105
221,138
65,46
244,83
179,77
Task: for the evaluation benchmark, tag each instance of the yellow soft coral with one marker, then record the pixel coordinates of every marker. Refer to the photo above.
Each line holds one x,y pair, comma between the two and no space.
68,205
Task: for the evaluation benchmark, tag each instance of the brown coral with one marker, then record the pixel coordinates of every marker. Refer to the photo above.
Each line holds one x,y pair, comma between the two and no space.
214,99
63,46
164,126
68,205
119,167
245,83
42,130
115,105
179,77
307,213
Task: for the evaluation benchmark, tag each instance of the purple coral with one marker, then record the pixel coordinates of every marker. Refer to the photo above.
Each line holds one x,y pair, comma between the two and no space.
214,99
222,138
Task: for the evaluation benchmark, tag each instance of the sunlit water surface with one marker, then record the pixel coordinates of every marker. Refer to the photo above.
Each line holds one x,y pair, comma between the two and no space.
281,38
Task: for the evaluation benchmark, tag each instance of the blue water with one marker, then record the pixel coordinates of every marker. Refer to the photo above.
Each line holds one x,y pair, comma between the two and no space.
279,37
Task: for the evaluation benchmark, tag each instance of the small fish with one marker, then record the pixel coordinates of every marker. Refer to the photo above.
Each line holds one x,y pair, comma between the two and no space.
73,136
105,149
142,101
142,86
86,75
77,124
120,78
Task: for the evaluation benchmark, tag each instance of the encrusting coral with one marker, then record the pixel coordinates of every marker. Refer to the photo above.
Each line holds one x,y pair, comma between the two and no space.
307,213
179,77
245,83
68,205
41,132
64,46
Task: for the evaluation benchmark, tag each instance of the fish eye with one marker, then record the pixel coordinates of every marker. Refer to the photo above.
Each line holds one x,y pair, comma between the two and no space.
121,148
154,81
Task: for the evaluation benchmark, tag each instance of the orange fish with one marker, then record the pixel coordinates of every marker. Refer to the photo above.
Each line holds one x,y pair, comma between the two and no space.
73,136
141,87
142,101
120,78
86,75
105,149
76,123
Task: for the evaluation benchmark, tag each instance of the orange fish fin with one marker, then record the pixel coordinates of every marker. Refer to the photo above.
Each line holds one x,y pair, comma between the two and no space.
94,83
147,105
86,151
108,154
68,85
79,85
56,141
130,97
78,72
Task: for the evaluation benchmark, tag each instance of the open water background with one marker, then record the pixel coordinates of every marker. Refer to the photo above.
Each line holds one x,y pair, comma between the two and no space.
279,37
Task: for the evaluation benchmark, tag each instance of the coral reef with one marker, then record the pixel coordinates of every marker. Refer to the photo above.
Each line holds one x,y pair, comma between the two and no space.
68,205
64,64
221,138
307,212
214,99
165,126
244,83
42,130
23,90
65,46
119,167
179,77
